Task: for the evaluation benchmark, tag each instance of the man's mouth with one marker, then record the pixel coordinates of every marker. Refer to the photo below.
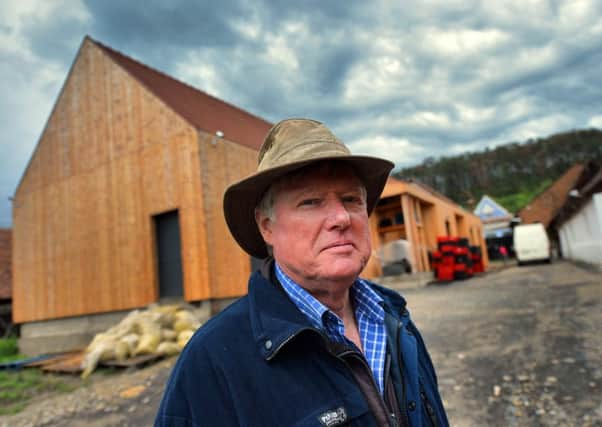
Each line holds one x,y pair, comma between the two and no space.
341,244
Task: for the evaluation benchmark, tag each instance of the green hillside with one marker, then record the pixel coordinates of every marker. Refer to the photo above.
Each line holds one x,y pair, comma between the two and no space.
512,173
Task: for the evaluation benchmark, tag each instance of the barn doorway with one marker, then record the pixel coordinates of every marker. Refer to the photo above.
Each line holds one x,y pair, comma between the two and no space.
169,255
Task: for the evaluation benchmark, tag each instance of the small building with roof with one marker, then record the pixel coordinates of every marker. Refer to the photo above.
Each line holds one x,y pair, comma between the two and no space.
544,207
578,222
497,224
411,211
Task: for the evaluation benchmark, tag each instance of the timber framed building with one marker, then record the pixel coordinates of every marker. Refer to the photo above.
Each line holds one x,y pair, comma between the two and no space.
124,188
416,213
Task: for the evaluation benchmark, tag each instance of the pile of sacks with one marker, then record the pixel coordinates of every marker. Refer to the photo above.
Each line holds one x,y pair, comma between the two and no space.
161,330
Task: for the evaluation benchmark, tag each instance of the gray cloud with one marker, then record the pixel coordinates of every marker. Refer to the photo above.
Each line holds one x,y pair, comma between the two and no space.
404,80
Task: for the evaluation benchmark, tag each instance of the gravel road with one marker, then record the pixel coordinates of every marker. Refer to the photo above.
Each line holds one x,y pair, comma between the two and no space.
518,346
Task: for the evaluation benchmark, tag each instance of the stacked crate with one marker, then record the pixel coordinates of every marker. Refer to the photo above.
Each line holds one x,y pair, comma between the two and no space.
455,259
477,259
443,259
462,260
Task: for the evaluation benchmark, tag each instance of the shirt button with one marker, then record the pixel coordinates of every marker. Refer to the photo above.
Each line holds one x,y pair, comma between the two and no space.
268,344
411,405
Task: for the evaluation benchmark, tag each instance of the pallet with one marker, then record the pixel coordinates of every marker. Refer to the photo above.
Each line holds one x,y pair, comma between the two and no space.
72,364
133,362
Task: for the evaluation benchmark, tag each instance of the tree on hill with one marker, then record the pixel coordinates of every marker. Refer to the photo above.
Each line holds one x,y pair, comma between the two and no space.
512,173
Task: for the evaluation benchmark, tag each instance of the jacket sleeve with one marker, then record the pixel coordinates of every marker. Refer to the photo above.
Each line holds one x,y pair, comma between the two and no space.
196,393
428,370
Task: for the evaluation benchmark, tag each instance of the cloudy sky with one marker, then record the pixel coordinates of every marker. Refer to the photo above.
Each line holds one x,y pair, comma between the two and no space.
399,79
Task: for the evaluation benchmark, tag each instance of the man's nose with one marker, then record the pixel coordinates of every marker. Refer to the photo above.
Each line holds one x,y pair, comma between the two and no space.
338,215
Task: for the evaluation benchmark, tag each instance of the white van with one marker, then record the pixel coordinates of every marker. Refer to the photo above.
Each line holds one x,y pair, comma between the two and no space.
531,243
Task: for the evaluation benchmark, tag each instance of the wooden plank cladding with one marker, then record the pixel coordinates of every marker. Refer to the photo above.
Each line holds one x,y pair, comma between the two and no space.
413,212
113,155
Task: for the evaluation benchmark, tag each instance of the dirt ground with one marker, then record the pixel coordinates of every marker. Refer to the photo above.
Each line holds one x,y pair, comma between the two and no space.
518,346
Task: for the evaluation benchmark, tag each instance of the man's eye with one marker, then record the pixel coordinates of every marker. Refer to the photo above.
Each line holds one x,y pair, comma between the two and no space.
352,199
309,202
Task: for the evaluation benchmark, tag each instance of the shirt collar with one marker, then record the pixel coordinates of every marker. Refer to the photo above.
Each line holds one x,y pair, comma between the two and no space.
366,300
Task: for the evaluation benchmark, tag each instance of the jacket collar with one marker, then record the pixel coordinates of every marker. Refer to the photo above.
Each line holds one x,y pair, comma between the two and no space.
276,321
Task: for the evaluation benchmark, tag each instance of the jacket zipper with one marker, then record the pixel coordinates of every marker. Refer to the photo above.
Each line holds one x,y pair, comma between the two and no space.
402,407
429,409
392,419
386,386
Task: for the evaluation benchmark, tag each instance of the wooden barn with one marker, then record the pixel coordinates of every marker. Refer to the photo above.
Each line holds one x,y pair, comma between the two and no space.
416,213
121,202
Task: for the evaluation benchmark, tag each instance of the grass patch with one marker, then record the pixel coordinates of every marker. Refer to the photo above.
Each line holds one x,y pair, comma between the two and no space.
9,350
18,387
8,347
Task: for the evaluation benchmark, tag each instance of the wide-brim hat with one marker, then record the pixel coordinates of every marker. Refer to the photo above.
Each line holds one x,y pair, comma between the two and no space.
291,145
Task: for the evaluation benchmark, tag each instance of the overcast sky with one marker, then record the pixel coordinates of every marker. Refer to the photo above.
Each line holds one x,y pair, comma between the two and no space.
399,79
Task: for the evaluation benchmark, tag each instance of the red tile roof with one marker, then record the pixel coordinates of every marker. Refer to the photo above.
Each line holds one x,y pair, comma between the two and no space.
5,264
544,206
201,110
589,183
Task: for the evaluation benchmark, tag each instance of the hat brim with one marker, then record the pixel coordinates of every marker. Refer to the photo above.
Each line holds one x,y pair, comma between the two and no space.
241,198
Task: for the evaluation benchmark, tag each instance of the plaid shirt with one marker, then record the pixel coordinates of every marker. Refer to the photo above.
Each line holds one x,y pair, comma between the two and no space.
369,314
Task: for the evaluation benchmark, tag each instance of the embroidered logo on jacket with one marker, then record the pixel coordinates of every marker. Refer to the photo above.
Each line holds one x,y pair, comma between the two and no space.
333,418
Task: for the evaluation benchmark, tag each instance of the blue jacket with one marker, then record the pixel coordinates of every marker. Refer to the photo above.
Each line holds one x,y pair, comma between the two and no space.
261,363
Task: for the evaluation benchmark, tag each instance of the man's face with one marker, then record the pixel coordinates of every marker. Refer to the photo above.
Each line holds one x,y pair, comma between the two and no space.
320,228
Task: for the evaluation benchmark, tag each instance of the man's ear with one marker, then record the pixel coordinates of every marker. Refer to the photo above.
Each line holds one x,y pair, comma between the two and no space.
264,224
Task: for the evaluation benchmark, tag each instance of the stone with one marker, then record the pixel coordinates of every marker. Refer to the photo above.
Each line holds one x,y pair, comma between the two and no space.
497,390
134,391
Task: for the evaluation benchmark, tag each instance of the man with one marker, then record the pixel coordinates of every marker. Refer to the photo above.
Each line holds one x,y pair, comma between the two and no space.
311,344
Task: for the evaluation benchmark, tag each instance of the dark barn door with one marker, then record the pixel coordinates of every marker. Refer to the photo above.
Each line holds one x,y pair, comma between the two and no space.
169,256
